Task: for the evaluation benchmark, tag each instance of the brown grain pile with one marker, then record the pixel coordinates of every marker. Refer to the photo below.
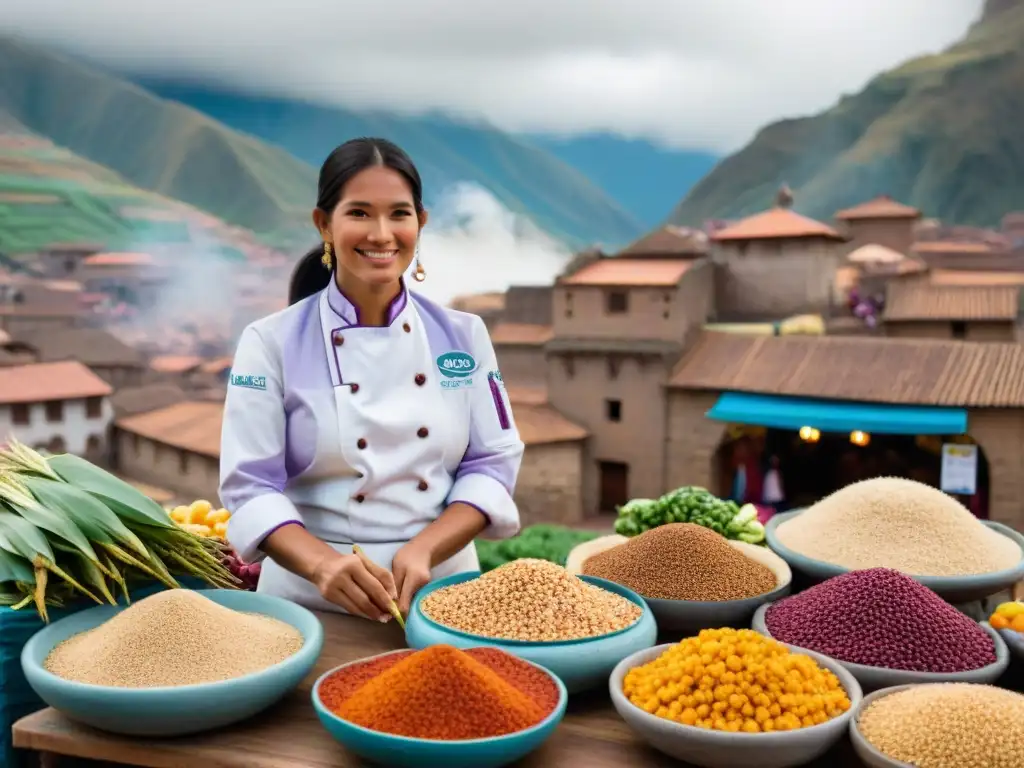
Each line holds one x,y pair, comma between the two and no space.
532,600
891,522
948,725
176,637
682,561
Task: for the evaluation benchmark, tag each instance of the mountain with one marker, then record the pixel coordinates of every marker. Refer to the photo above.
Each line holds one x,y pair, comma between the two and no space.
941,132
525,178
646,179
153,144
51,197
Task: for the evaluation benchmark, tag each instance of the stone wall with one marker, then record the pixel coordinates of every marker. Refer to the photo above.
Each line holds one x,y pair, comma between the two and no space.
550,484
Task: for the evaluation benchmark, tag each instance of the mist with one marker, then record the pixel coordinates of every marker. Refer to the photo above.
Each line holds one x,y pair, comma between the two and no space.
472,244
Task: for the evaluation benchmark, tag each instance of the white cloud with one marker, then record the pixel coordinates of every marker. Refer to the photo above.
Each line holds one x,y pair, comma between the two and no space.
473,244
691,73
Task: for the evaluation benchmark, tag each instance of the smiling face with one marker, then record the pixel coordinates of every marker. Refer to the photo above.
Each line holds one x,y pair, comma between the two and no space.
373,229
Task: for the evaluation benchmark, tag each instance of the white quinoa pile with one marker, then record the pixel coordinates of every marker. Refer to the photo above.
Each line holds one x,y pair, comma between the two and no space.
176,637
948,725
890,522
532,600
682,561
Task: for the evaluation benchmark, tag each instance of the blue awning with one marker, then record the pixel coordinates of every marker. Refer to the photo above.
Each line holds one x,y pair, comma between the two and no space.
837,415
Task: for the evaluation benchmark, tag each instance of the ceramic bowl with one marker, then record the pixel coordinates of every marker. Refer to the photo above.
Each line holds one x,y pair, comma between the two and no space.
953,589
873,678
869,755
720,749
173,711
581,664
691,616
1014,642
402,751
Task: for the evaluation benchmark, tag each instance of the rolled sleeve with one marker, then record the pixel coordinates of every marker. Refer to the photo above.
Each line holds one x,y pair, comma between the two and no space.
252,455
486,478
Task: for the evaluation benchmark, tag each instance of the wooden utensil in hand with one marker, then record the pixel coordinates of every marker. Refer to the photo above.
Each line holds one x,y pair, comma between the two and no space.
394,606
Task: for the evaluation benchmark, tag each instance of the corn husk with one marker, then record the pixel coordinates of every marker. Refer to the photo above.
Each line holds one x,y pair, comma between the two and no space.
64,517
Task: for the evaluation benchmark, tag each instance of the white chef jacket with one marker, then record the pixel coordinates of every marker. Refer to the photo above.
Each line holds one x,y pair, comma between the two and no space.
364,434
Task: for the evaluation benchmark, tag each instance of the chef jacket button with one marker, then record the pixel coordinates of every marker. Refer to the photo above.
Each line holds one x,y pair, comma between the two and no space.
423,485
422,432
338,339
360,443
355,388
406,327
420,379
360,498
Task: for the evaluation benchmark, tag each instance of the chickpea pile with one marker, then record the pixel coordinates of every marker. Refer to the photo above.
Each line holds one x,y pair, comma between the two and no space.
738,681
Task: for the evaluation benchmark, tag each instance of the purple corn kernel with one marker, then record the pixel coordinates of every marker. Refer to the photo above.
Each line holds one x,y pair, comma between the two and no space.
881,618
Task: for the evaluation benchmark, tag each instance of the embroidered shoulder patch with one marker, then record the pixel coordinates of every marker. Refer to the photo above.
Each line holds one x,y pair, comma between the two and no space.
248,381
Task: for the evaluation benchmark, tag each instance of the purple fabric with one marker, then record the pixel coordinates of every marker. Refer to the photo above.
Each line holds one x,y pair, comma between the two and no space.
346,309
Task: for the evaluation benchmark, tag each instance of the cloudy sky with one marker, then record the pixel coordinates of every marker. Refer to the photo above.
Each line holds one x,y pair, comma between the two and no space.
692,73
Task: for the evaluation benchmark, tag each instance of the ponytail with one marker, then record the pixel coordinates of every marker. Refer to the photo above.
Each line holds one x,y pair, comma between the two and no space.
309,276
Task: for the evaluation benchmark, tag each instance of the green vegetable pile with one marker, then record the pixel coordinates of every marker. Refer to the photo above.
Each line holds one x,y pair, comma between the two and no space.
691,504
544,542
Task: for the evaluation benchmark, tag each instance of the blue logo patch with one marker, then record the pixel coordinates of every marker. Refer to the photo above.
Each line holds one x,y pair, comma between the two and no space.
249,382
456,365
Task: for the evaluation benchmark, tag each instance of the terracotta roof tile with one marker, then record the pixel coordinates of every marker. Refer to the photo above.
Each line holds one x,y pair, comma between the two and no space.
635,273
521,334
920,300
867,369
479,302
956,277
669,240
882,207
217,366
542,424
773,224
175,363
91,346
39,382
950,246
190,426
119,260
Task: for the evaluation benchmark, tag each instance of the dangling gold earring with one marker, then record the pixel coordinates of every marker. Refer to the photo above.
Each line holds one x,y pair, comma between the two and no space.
420,274
326,259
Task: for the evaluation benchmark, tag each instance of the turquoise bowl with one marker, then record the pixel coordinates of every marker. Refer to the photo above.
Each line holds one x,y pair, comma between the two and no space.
179,710
581,664
1014,642
405,752
952,589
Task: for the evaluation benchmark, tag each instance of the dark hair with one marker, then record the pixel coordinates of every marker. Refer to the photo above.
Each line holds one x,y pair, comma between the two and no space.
310,276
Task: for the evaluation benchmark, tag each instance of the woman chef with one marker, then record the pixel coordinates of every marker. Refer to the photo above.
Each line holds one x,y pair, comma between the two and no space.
364,413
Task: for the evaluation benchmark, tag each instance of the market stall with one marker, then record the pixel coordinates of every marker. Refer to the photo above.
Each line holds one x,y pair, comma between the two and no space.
685,630
290,736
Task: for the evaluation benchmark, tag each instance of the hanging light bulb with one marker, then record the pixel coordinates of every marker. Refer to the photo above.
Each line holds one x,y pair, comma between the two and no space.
809,434
860,438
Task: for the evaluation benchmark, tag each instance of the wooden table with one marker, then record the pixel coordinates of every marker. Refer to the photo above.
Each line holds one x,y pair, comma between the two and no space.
289,735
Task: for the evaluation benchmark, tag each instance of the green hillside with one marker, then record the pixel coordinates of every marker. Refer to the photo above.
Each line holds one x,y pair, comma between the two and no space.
183,153
941,132
49,196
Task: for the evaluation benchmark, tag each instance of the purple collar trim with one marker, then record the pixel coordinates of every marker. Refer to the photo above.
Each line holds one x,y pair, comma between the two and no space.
346,309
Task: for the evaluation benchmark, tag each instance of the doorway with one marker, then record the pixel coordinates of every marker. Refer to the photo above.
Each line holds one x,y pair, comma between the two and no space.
614,484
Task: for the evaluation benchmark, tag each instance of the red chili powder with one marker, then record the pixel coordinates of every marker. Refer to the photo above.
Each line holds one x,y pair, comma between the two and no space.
336,689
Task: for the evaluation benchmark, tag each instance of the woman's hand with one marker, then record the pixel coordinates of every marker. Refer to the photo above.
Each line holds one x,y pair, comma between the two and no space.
360,587
411,567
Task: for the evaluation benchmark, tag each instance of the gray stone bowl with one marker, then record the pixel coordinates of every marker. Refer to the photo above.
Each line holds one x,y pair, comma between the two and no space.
719,749
866,751
953,589
1014,641
691,616
874,678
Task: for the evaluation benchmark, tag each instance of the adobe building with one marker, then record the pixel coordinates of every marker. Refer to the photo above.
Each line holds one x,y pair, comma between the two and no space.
881,221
